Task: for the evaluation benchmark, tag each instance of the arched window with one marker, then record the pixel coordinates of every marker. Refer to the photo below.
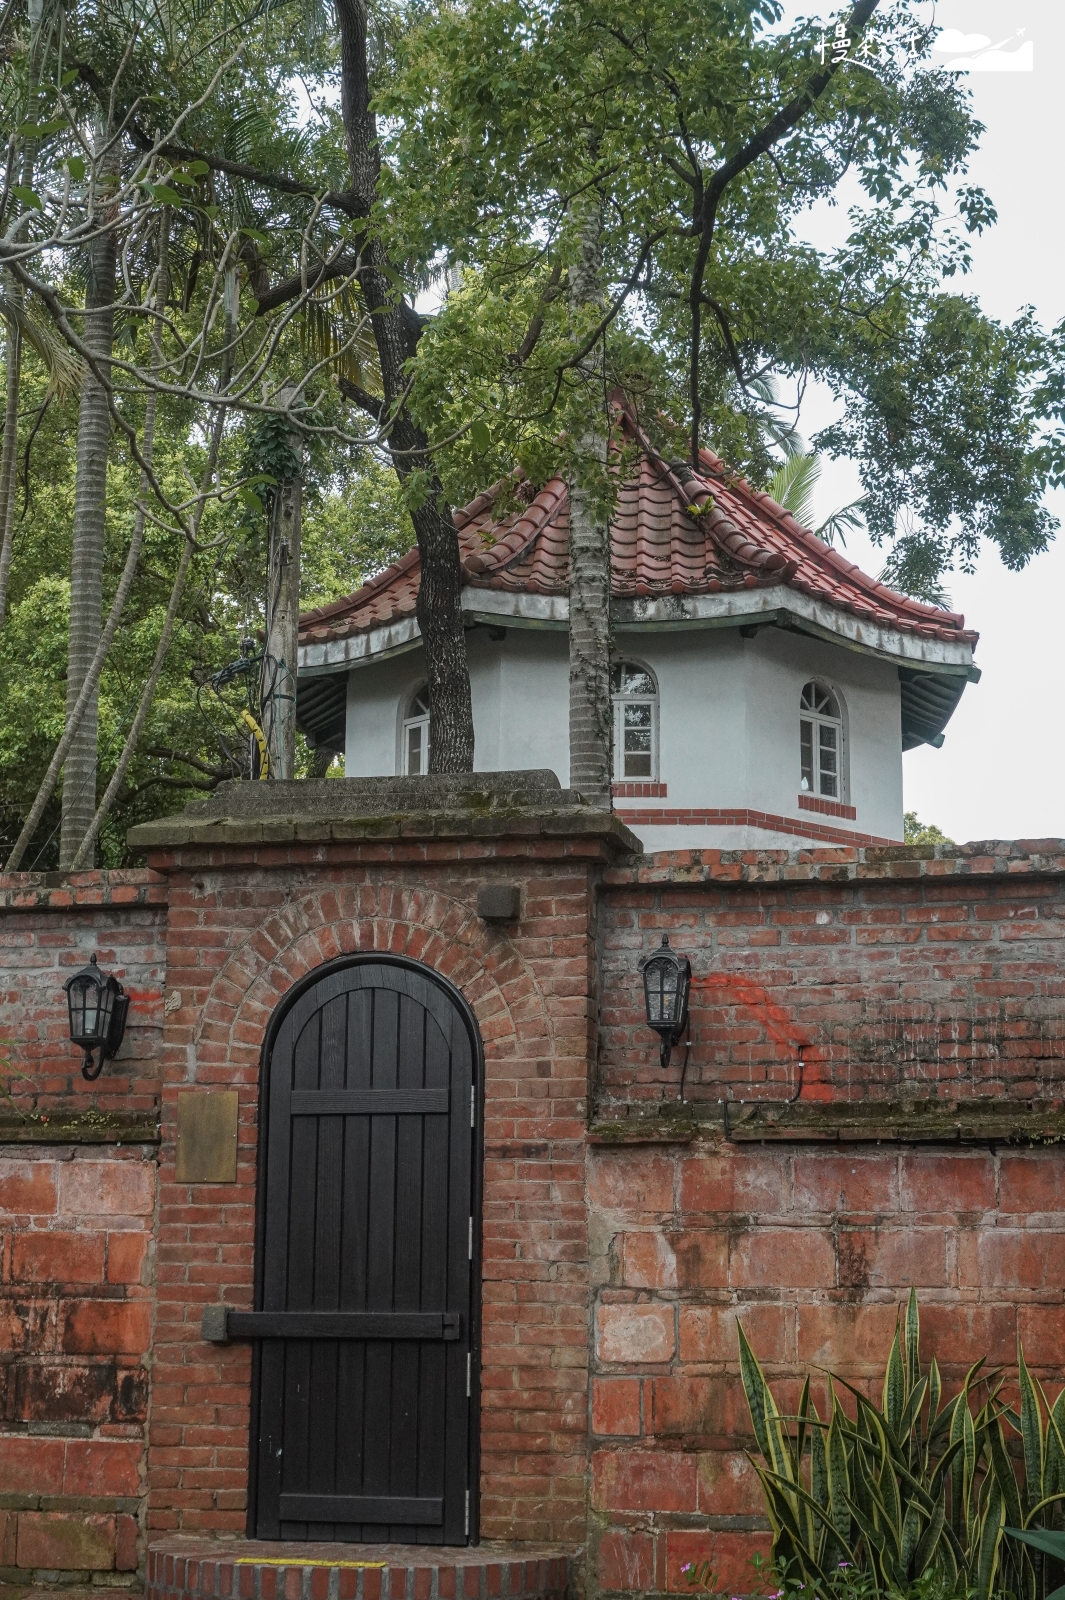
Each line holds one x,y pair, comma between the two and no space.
635,699
416,735
821,742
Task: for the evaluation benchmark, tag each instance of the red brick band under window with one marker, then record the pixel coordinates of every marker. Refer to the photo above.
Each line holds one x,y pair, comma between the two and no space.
828,808
721,817
633,790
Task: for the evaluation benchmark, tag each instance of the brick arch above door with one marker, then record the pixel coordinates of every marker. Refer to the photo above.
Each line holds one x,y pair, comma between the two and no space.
314,927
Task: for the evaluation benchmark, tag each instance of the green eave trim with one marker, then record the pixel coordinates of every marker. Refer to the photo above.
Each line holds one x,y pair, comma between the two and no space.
779,617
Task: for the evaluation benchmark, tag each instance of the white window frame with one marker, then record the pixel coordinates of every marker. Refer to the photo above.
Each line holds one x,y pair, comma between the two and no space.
619,699
818,719
417,717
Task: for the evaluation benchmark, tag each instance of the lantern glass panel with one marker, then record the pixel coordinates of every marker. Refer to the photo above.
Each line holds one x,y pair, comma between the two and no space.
661,991
105,1007
84,996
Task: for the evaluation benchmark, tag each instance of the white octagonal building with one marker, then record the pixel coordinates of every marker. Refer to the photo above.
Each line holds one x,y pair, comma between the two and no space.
764,688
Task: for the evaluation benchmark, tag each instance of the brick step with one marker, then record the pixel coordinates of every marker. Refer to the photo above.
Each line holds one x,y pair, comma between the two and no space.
193,1569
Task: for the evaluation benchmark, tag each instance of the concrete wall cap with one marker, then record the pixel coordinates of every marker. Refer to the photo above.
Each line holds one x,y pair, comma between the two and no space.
240,800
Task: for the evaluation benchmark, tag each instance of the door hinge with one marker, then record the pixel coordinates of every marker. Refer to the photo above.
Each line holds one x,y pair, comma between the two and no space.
467,1513
469,1373
473,1106
471,1239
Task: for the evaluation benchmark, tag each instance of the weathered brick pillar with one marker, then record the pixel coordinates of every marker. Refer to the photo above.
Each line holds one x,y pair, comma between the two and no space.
77,1217
268,882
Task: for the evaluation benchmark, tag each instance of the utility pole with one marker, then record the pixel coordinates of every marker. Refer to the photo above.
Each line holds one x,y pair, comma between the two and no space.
278,683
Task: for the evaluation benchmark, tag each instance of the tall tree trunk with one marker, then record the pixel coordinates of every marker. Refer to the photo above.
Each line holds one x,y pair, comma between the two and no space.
13,357
590,721
87,562
9,447
396,328
283,615
176,593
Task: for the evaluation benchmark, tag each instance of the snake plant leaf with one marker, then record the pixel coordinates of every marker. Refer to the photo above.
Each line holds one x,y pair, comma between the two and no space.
799,1492
780,1496
756,1390
1051,1499
1005,1476
799,1447
942,1467
912,1526
950,1558
928,1549
894,1385
968,1434
913,1340
1056,1415
818,1468
1031,1431
871,1531
911,1484
1054,1466
912,1409
990,1540
935,1393
838,1476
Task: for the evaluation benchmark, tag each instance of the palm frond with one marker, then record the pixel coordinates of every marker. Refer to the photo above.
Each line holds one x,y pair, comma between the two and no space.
850,517
64,368
792,486
325,333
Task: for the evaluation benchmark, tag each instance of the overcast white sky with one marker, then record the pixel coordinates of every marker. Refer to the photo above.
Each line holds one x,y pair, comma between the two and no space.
1001,772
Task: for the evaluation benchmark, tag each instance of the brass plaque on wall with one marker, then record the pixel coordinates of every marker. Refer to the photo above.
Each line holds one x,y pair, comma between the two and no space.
207,1136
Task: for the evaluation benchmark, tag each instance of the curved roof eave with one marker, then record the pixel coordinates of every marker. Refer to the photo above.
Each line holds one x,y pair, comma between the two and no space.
776,605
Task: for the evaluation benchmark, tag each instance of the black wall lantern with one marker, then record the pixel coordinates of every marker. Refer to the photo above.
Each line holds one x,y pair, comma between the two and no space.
98,1007
666,980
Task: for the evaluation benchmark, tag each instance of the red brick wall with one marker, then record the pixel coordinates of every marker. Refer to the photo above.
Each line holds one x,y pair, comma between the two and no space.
929,978
813,1250
76,1230
48,930
76,1305
613,1276
893,975
243,928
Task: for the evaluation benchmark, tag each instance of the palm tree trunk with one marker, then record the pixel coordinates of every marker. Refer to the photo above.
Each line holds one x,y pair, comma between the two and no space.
278,689
589,556
13,360
9,450
87,562
170,620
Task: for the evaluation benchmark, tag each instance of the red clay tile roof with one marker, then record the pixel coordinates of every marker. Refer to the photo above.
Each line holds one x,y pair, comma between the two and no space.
673,532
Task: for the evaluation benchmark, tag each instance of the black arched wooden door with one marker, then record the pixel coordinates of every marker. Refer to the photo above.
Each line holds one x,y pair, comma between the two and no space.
365,1377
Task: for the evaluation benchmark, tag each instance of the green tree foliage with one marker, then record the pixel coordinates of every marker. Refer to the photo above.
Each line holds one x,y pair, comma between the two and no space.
501,115
917,832
704,135
356,524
